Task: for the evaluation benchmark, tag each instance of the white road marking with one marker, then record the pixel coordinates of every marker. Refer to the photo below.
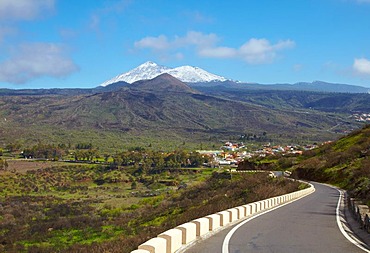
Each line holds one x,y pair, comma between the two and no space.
225,244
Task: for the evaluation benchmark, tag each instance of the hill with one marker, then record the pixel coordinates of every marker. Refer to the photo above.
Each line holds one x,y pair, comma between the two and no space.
289,99
317,86
345,163
165,112
162,83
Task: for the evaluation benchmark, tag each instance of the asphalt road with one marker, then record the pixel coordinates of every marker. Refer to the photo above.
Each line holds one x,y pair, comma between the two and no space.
306,225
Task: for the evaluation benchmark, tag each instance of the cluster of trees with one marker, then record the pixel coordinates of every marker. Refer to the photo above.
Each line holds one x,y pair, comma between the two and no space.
86,154
84,146
152,161
254,137
45,151
56,152
11,147
144,160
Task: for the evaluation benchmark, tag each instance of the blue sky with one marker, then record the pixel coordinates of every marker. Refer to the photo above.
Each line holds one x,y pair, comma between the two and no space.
69,43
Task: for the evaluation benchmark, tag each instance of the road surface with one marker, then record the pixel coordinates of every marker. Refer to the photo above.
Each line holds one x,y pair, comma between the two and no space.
306,225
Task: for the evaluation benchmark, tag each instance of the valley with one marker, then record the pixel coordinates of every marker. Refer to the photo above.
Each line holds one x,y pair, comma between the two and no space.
107,168
157,125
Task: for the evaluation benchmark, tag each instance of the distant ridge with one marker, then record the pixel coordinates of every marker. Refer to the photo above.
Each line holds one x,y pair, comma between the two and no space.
316,86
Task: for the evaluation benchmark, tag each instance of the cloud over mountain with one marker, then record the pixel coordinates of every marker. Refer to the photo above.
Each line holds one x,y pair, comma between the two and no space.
254,51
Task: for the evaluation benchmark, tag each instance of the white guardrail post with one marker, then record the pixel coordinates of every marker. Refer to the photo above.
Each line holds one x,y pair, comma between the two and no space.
179,237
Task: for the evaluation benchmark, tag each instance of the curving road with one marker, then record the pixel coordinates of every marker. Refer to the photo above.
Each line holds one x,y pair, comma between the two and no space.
306,225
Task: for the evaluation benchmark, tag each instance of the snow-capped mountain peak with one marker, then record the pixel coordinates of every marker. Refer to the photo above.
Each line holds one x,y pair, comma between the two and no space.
189,74
150,70
147,70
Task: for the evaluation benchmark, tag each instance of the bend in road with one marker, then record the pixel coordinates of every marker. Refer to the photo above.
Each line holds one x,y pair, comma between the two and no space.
306,225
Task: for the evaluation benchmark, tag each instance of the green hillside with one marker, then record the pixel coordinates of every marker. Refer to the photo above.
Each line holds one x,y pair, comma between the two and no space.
165,113
321,101
345,163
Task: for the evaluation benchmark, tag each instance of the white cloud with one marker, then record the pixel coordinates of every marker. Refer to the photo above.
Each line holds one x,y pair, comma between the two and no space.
361,66
162,43
254,51
155,43
258,51
31,61
24,9
218,52
197,39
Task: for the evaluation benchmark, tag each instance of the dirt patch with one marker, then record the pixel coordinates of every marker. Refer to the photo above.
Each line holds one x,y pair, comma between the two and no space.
22,166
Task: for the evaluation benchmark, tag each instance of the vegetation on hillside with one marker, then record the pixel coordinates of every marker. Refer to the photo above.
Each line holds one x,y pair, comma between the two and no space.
166,118
278,99
345,163
95,208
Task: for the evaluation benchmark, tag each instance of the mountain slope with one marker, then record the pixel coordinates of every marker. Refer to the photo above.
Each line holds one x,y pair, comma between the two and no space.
290,99
161,110
150,70
162,83
345,163
316,86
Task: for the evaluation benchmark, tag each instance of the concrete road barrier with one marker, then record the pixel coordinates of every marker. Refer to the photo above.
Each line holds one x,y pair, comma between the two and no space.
154,245
179,237
248,210
189,232
214,221
202,226
233,214
140,251
224,218
173,238
241,211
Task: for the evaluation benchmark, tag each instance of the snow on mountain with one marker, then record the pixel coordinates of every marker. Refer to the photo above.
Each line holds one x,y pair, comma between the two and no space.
150,70
189,74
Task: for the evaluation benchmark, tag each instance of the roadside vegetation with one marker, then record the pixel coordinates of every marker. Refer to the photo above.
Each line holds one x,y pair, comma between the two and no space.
344,163
114,203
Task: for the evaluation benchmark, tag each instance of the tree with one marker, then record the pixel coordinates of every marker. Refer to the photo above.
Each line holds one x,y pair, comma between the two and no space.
3,164
11,147
158,160
133,185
